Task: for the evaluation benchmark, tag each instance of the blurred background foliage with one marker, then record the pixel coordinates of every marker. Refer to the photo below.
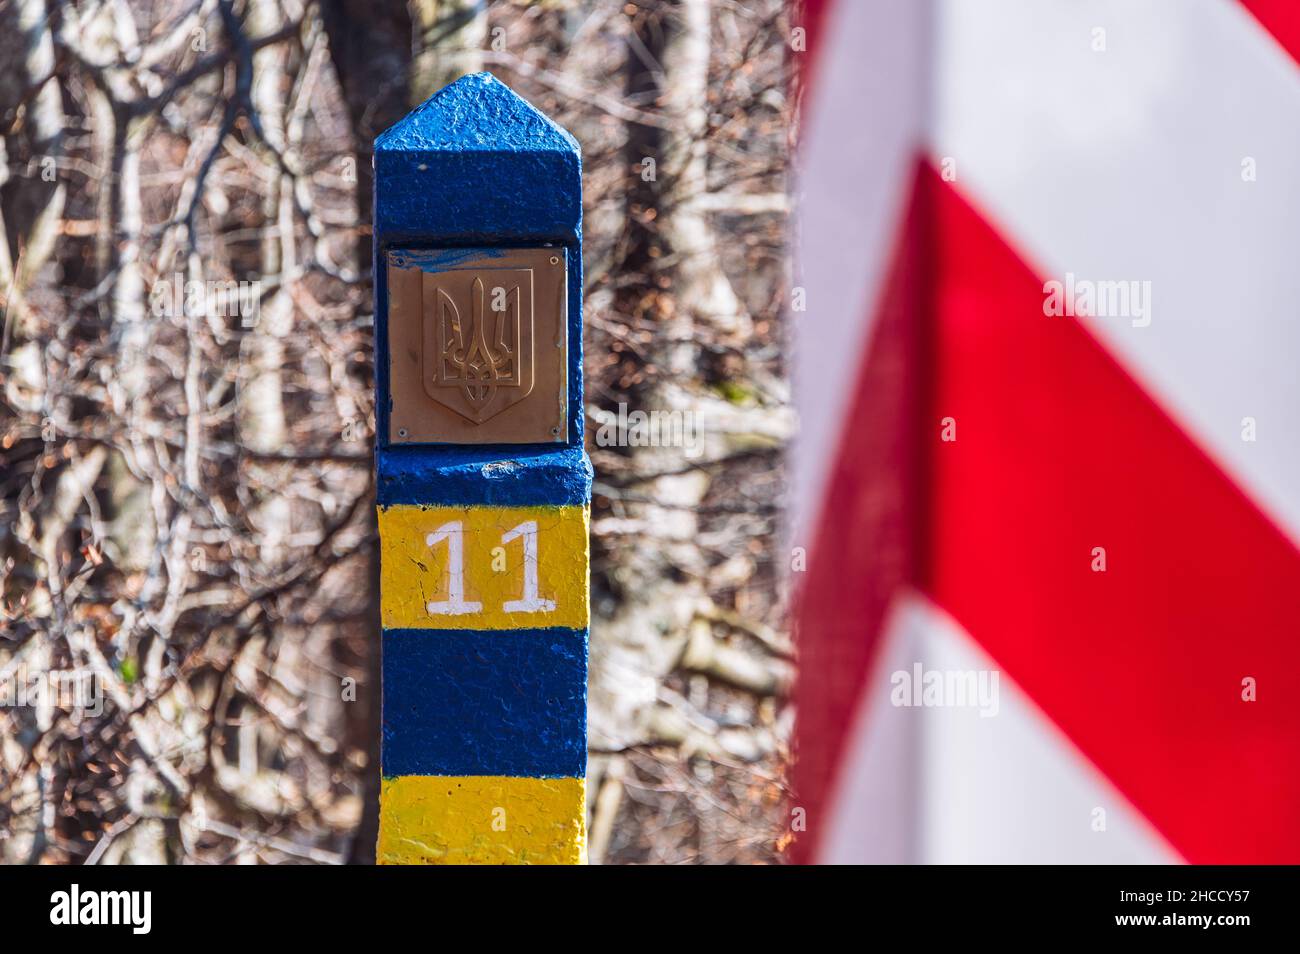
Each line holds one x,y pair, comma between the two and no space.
186,509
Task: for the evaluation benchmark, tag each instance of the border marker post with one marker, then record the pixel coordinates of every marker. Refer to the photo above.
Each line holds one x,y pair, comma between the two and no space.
483,484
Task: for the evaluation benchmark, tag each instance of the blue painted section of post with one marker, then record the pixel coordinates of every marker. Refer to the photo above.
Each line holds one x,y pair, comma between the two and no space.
513,475
467,725
482,706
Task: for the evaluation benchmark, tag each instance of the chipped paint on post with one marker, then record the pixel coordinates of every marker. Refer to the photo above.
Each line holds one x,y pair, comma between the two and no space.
483,546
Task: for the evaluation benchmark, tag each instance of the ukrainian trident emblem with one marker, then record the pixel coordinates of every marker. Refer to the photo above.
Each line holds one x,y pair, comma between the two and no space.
478,341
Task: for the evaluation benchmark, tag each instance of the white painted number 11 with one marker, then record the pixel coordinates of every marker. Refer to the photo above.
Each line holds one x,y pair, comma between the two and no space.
455,604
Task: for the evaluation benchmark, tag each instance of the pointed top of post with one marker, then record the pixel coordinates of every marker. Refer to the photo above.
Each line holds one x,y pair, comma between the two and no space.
478,112
476,165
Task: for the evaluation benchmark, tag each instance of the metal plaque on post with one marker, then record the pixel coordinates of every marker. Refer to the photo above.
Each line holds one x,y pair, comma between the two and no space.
478,346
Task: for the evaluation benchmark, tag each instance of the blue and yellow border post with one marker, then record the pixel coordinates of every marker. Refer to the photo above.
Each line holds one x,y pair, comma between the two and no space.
483,753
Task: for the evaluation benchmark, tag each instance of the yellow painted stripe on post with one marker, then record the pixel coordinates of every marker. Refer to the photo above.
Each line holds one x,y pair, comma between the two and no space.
456,820
483,567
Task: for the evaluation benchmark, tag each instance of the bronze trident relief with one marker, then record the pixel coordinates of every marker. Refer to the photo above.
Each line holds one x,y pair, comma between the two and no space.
478,345
490,347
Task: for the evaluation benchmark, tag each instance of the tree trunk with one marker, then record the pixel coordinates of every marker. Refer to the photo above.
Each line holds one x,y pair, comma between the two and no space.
663,617
448,43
